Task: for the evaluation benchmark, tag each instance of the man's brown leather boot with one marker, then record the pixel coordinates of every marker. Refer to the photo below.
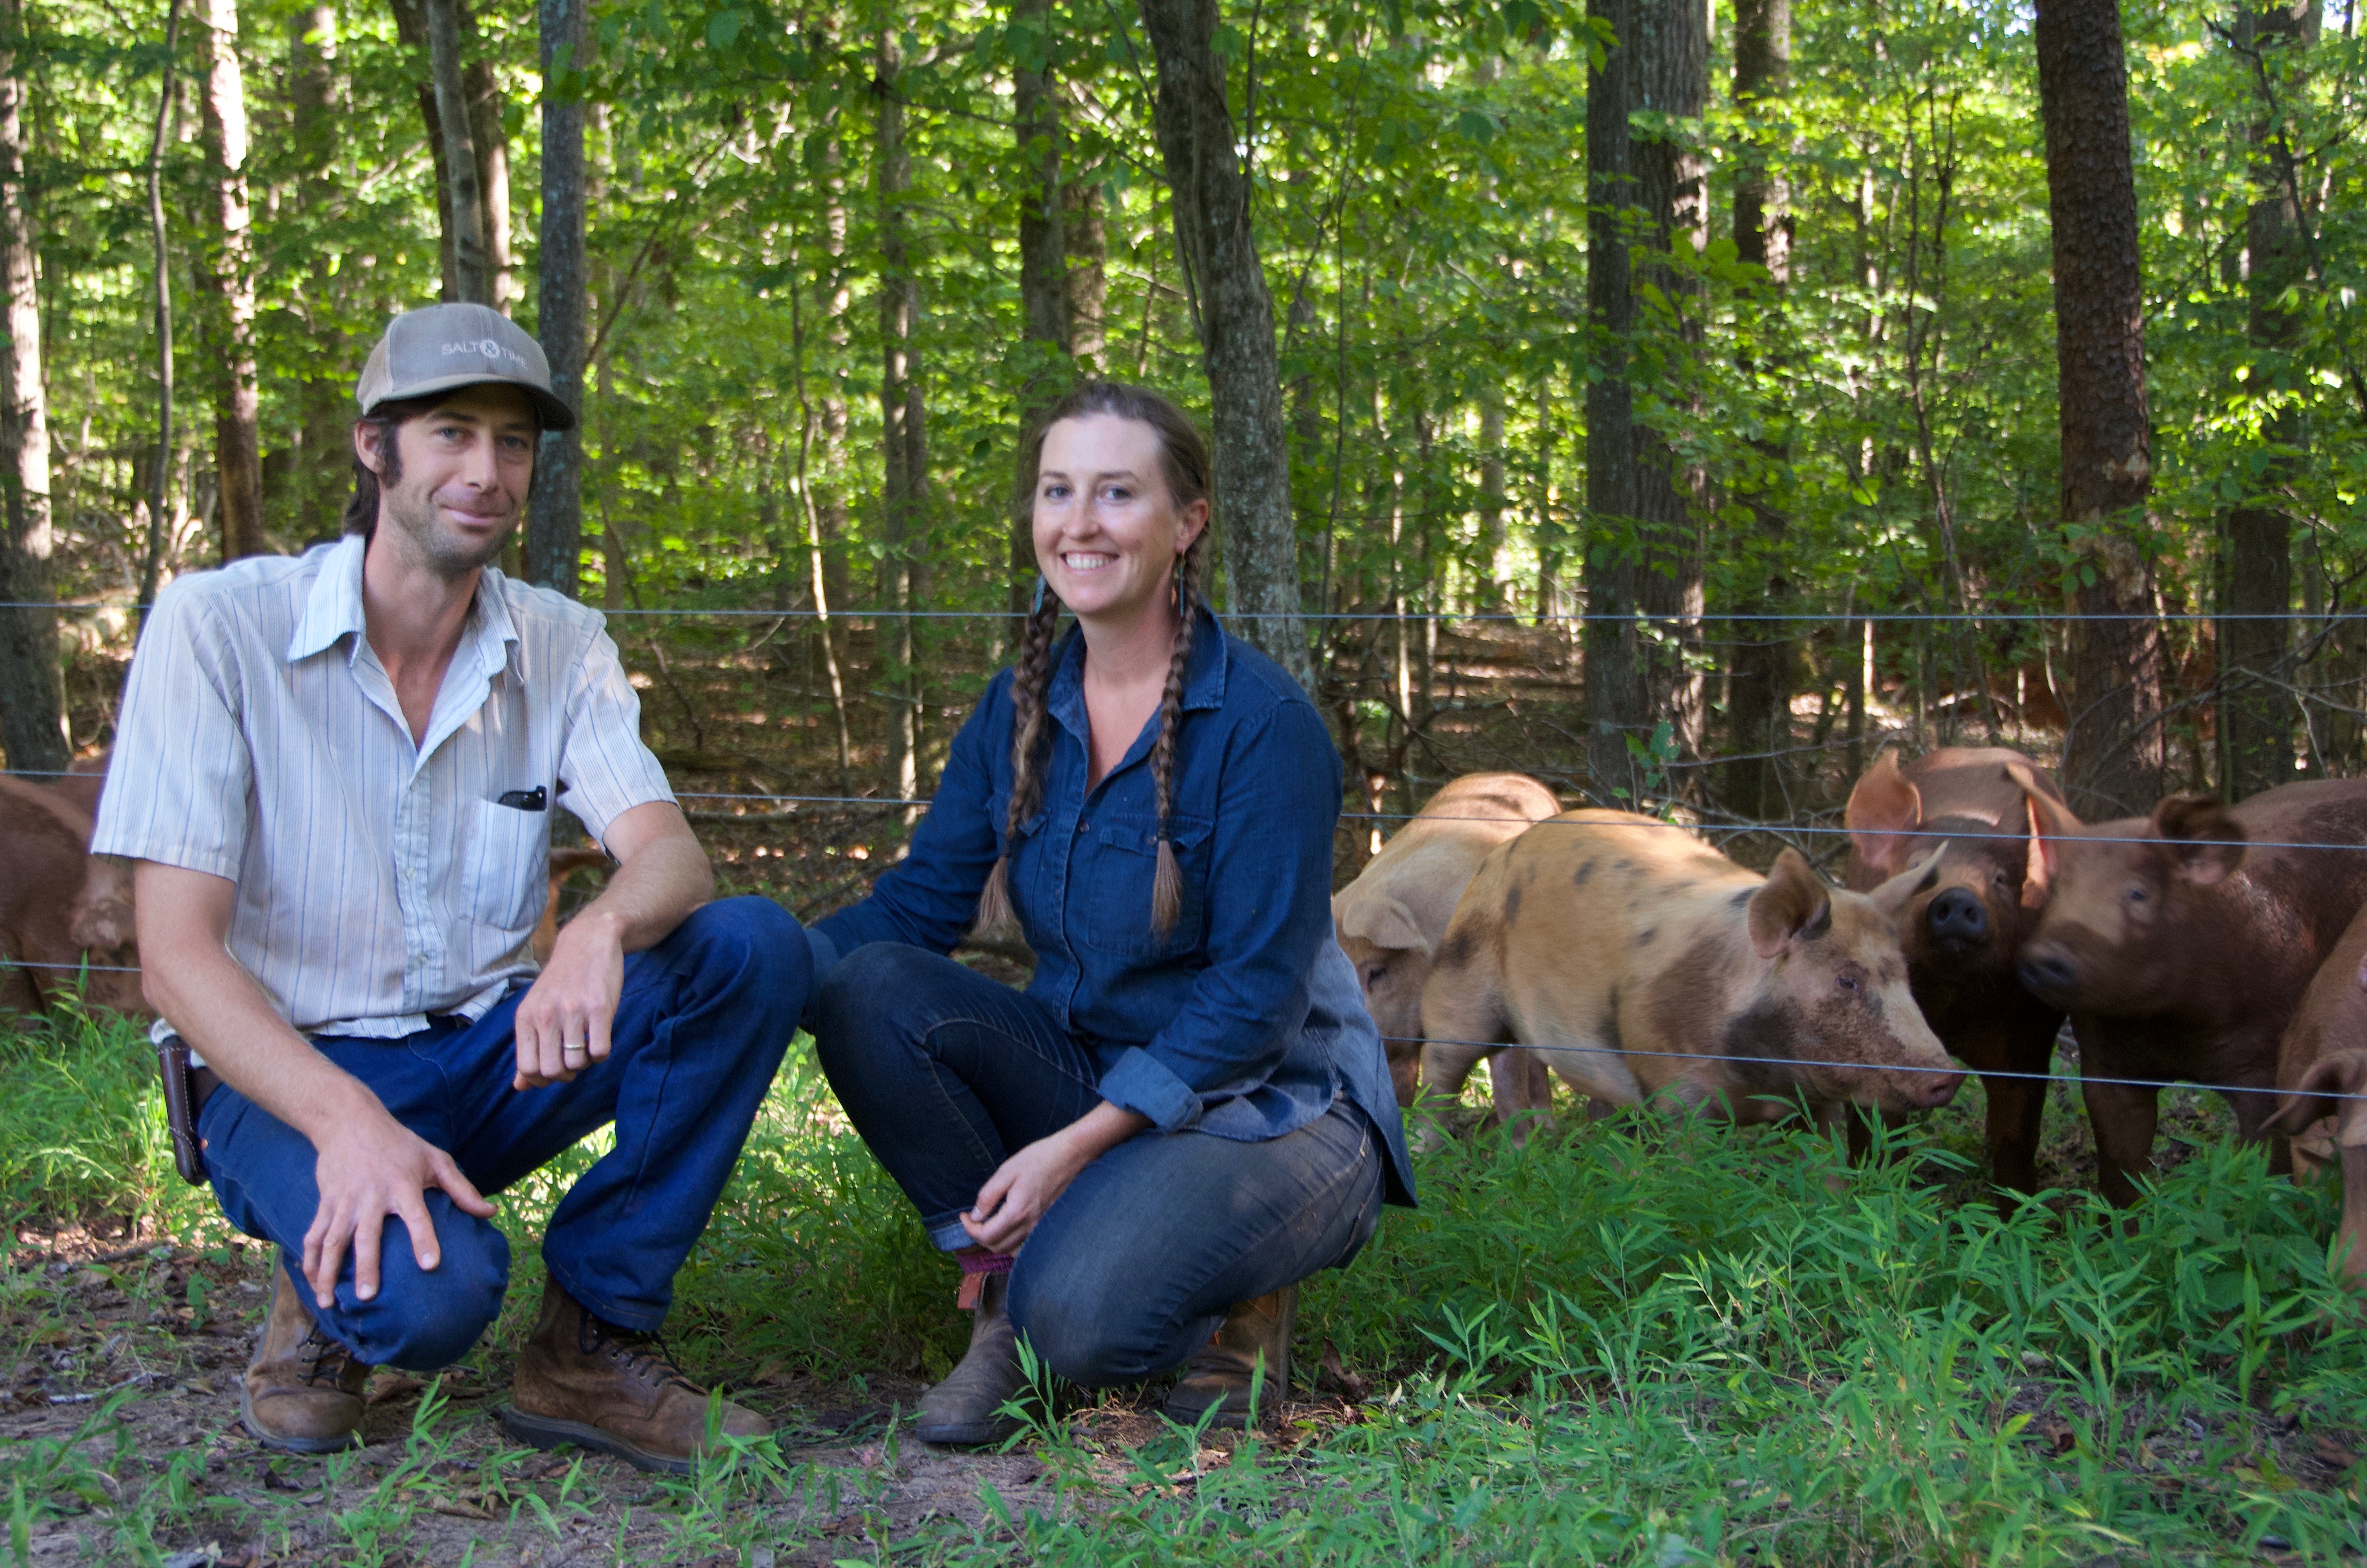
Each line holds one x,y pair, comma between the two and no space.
1220,1372
582,1381
302,1392
964,1410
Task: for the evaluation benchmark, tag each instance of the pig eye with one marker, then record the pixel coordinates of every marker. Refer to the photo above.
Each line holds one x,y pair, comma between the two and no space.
2136,895
1846,981
1372,974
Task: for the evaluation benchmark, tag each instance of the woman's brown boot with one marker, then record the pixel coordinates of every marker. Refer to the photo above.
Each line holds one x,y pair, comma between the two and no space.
1220,1372
965,1410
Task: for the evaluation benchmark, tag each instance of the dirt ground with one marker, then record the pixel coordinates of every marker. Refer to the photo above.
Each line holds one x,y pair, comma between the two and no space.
124,1360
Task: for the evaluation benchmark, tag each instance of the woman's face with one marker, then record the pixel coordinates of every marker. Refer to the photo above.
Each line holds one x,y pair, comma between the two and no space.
1107,532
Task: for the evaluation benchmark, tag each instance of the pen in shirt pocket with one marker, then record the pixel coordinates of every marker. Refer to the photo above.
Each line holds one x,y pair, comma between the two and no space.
535,800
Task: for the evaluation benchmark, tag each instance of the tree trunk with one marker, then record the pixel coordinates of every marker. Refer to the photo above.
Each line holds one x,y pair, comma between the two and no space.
1045,367
903,419
1766,655
2112,755
160,467
1670,78
1087,246
1618,700
2255,716
457,168
1489,590
1644,562
1211,194
32,695
555,527
238,454
493,146
312,499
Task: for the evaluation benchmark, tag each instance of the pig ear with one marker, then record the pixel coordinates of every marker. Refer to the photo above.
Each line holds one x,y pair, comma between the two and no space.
2050,820
1794,904
2202,835
2320,1094
1383,921
1883,811
1919,878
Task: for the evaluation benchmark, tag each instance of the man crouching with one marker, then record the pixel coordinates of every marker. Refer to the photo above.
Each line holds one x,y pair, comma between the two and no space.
335,773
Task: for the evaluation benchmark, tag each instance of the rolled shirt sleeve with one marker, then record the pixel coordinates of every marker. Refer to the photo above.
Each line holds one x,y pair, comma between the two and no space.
1269,888
603,768
929,898
181,779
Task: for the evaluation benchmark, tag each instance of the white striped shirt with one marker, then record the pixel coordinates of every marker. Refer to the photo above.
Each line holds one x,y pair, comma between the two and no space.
378,882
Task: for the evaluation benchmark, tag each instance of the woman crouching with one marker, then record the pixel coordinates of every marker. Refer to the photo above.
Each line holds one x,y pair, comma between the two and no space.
1187,1112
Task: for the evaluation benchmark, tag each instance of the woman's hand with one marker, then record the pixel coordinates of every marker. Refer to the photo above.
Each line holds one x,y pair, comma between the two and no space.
1031,1181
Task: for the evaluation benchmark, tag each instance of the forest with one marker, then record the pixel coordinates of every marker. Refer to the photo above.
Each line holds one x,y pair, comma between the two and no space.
1679,403
1708,362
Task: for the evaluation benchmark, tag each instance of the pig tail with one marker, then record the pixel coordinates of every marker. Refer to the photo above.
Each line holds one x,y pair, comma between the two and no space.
1167,881
1032,675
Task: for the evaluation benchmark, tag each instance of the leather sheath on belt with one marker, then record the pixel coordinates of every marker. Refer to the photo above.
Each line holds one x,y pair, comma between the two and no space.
187,1089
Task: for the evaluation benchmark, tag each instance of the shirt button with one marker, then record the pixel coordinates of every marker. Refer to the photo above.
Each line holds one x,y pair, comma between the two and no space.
1083,826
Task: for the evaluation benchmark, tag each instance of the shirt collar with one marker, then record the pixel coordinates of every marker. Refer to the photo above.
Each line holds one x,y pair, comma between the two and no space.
1205,669
335,609
335,606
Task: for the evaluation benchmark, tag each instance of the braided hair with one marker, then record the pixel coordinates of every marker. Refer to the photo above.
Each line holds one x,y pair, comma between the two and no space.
1184,464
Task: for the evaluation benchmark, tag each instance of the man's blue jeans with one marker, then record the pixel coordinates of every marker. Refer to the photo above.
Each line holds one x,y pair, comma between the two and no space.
944,1072
700,1030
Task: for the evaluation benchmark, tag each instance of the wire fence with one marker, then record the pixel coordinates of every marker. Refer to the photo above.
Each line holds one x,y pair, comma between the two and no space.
1409,749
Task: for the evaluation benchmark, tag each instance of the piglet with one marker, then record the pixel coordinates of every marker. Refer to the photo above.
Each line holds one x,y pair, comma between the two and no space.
1645,966
1961,932
2321,1063
1390,918
2180,944
61,906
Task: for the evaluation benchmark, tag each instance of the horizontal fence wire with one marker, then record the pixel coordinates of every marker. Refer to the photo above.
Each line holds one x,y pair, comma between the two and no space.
1809,830
1545,1048
1519,618
1384,616
1621,1050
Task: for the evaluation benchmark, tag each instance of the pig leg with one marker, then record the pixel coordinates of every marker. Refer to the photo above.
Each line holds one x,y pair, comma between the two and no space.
1445,1067
2252,1113
2124,1118
1522,1086
2353,1238
1463,1013
1405,1071
2017,1114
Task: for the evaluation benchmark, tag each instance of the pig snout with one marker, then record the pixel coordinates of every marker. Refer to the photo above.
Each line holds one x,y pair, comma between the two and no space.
2048,973
1956,920
1930,1091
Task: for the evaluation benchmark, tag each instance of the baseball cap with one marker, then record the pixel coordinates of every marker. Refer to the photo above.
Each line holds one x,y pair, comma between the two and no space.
443,347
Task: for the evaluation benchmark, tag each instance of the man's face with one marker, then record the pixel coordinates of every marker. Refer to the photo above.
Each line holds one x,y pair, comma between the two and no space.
465,466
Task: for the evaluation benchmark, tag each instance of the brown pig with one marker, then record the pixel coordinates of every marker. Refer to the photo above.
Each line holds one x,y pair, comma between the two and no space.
61,906
2180,945
1647,966
2321,1063
1962,933
1390,918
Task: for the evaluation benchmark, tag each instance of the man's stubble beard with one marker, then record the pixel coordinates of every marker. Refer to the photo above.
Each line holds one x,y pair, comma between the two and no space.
414,516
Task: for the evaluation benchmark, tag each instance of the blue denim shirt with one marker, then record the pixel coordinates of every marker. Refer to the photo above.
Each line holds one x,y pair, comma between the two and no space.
1245,1020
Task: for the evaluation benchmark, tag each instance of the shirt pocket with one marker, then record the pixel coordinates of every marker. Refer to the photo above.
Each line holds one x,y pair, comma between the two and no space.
506,872
1111,881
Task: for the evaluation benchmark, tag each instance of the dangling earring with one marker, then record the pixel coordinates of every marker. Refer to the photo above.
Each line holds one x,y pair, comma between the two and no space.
1037,607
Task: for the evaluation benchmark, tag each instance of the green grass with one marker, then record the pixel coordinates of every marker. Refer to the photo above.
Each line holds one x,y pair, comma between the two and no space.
1643,1341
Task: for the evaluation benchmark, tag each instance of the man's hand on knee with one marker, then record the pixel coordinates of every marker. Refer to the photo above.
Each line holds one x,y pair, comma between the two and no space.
373,1168
562,1024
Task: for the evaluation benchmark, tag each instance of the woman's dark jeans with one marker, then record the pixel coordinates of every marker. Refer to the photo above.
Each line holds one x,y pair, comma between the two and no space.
946,1073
